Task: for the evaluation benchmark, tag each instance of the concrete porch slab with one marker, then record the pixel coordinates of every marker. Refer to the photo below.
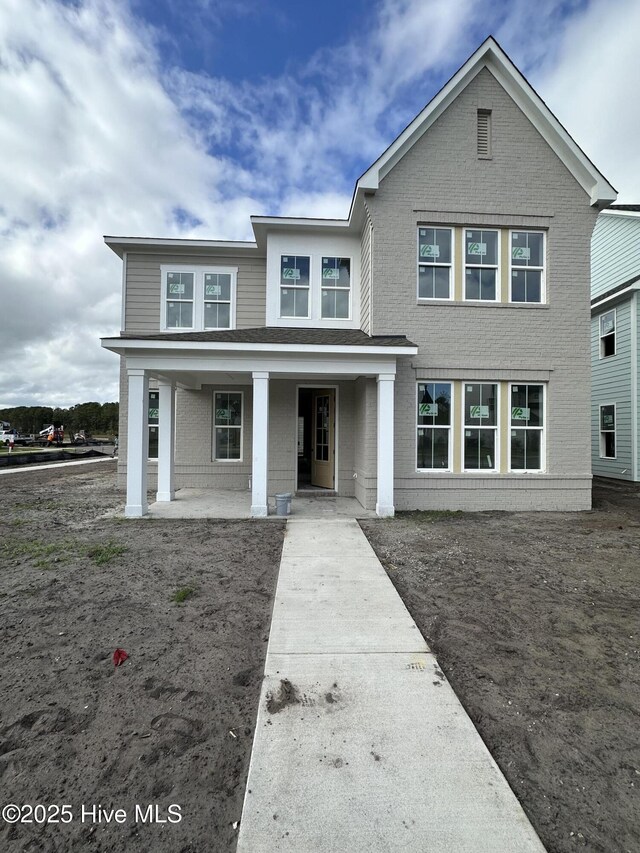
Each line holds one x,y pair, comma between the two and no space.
228,503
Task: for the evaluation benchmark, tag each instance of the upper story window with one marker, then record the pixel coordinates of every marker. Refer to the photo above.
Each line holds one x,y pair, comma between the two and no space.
527,266
608,334
198,298
435,253
336,288
481,253
294,285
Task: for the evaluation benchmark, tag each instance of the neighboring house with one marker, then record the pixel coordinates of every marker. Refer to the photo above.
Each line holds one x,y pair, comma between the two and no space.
429,352
615,281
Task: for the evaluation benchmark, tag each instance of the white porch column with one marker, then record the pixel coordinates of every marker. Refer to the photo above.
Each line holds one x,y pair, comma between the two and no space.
260,446
166,441
384,502
137,443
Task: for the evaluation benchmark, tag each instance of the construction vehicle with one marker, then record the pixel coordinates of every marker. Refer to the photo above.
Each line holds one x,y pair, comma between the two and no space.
7,434
51,435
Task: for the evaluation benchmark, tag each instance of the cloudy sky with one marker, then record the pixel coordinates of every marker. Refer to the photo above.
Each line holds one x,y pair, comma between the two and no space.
183,117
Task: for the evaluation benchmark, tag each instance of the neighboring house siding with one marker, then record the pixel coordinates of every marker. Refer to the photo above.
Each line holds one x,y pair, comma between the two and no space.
365,277
611,383
615,252
442,181
143,291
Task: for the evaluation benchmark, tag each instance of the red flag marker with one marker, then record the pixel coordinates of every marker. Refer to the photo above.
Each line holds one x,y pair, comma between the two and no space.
119,656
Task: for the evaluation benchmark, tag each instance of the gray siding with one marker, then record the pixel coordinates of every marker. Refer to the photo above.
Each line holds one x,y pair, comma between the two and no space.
143,288
611,383
615,251
441,180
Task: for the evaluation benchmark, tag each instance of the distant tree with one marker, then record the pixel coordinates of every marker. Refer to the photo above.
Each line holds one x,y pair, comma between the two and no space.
100,418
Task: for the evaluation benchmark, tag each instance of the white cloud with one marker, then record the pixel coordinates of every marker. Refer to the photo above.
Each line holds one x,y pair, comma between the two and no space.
99,136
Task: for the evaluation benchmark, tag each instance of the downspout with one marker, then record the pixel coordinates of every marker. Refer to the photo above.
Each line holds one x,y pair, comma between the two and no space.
634,385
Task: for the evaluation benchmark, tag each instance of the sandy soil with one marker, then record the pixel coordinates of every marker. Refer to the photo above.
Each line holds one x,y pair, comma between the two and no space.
174,723
535,619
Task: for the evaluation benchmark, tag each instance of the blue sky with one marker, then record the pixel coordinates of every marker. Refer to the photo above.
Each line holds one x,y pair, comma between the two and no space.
183,117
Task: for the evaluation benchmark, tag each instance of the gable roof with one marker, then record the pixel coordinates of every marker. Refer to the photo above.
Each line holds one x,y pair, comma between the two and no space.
490,55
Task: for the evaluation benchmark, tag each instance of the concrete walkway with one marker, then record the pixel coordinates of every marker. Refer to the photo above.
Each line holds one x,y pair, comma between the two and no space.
361,744
24,468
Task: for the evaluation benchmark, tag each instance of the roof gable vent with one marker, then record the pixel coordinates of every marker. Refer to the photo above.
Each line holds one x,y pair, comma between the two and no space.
484,133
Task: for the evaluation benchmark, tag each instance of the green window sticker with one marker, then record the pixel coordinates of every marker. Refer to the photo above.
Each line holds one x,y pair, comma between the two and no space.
519,253
290,272
519,413
176,288
429,250
477,249
154,414
212,290
428,409
223,414
478,411
330,272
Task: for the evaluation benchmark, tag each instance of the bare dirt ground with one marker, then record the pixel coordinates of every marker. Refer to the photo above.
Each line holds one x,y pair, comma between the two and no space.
535,619
190,602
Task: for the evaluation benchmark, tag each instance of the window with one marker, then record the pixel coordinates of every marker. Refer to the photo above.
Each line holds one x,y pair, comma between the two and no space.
227,420
217,300
527,428
152,421
179,295
434,263
484,134
434,426
608,334
336,288
481,265
294,286
608,431
197,298
480,427
527,266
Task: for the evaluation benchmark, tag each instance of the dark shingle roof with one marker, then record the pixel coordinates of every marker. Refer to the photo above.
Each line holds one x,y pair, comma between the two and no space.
630,207
274,335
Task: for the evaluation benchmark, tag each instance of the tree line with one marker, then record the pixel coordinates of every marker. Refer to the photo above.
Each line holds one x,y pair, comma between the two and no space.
95,418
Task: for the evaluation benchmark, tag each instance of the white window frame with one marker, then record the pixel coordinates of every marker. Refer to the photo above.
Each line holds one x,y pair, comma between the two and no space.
449,467
341,289
450,266
496,267
309,288
602,432
542,429
199,272
543,268
151,426
614,333
214,426
497,428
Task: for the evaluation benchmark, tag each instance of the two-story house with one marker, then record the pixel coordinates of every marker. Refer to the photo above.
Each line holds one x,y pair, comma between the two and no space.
615,281
431,351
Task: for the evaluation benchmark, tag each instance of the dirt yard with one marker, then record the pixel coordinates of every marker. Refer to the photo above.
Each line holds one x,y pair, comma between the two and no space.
190,602
535,619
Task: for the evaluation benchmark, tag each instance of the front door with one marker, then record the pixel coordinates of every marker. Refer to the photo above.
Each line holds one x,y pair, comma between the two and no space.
323,440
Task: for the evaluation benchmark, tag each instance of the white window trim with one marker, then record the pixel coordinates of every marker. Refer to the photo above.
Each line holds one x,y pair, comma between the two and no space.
464,426
601,431
149,425
349,317
614,333
199,272
452,265
214,458
543,429
449,467
496,267
309,289
543,277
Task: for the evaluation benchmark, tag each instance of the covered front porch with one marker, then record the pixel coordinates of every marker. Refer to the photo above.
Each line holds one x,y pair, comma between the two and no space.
229,426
